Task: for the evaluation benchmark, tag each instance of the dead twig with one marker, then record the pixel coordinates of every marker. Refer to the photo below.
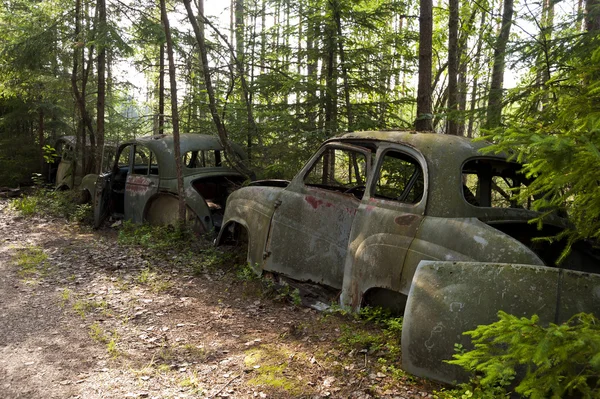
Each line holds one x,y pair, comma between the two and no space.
225,386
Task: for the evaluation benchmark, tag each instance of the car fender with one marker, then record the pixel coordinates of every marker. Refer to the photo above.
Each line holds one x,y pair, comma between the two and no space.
163,209
252,208
371,263
88,183
449,298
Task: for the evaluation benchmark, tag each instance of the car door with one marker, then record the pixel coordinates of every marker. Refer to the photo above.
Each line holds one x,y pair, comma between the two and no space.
109,194
385,226
142,183
311,224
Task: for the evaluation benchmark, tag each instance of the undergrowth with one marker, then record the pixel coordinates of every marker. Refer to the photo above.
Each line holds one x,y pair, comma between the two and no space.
521,356
32,262
63,204
156,237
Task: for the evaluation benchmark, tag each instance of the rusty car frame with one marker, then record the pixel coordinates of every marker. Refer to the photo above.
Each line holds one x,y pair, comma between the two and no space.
142,185
421,223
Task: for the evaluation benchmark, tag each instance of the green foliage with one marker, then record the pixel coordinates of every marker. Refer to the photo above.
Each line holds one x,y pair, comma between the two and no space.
520,355
31,261
50,153
384,337
62,204
155,237
555,131
17,158
246,273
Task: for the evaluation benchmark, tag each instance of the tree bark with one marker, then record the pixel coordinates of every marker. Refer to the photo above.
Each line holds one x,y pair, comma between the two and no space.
101,97
338,22
452,125
161,90
494,109
330,79
174,111
424,116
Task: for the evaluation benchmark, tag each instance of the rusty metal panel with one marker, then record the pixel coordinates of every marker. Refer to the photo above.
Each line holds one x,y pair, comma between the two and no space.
138,190
448,298
309,236
462,239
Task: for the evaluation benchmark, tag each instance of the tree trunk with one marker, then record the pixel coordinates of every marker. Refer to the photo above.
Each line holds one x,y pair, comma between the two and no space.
338,22
494,110
161,90
475,69
592,19
100,103
453,68
424,116
41,140
174,111
330,79
212,102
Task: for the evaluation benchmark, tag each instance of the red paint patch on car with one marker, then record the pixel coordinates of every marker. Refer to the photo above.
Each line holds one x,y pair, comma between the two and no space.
138,184
314,202
405,220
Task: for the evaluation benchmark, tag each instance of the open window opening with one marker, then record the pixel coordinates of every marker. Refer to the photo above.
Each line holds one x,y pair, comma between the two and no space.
339,169
400,178
202,159
494,183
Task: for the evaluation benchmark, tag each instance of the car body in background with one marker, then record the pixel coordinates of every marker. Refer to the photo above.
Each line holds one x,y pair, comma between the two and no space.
66,172
370,209
142,184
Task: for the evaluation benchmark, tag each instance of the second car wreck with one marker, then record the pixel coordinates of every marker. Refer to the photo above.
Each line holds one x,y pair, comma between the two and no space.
401,219
142,186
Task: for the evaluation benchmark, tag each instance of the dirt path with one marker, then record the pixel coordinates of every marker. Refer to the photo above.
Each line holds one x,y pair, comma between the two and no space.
83,317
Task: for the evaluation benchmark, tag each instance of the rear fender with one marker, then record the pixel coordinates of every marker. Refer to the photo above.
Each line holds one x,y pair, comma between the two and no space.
448,298
252,208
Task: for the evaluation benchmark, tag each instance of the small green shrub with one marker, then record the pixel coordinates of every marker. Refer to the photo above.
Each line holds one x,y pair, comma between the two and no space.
64,204
246,273
520,355
155,237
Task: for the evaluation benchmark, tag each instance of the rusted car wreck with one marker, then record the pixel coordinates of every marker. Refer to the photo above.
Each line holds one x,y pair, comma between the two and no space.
66,172
419,222
142,185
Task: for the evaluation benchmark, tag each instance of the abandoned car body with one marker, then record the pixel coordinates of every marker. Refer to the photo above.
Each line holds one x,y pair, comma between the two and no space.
369,207
142,186
66,171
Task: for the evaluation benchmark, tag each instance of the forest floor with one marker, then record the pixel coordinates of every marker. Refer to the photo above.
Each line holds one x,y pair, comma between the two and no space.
84,316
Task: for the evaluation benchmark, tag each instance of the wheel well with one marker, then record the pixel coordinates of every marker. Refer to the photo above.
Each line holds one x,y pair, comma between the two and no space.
385,298
234,234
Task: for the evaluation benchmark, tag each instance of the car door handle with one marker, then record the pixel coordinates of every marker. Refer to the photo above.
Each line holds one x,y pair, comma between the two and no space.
276,204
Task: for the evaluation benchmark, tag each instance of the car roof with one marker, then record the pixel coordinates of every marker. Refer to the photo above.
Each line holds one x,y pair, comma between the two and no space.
188,142
431,145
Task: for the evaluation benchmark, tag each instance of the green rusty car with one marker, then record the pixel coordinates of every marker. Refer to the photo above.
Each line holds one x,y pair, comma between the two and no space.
142,185
387,217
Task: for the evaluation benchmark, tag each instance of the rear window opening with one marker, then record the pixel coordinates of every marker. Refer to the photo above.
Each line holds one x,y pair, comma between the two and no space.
494,183
202,159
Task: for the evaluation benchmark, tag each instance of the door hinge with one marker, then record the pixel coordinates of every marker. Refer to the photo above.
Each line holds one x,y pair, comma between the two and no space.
266,254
